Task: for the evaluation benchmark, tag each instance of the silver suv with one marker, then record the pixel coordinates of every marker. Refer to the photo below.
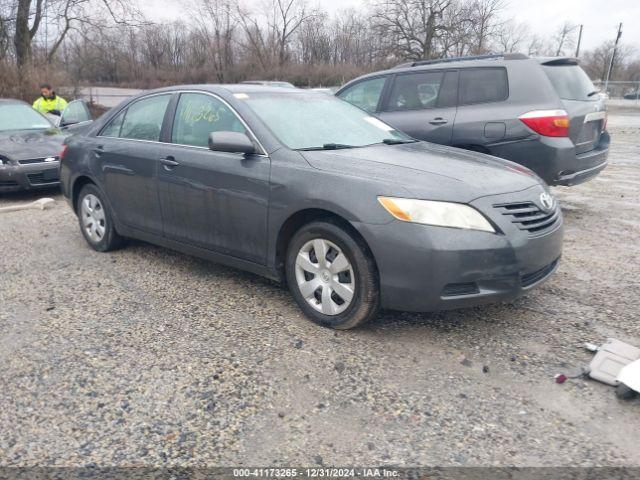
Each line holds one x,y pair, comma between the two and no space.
543,113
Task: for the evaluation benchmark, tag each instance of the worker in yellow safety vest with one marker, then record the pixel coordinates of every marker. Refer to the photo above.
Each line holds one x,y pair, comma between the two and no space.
49,102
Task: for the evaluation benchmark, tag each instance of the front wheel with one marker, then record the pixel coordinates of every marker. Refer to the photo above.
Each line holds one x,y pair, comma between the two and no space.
332,276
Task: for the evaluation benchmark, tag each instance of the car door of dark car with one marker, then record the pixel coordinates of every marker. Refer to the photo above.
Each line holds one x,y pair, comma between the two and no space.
482,118
422,104
214,200
127,151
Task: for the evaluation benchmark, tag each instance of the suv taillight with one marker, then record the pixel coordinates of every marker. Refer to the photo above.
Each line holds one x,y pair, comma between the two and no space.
63,152
550,123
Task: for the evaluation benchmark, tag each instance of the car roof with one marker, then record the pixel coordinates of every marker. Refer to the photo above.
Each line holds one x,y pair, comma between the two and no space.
490,60
229,88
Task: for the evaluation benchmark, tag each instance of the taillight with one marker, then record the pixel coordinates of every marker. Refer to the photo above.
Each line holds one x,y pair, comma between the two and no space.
64,151
550,123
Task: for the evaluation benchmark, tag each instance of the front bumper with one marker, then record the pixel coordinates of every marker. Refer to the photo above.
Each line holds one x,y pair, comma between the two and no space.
424,268
16,177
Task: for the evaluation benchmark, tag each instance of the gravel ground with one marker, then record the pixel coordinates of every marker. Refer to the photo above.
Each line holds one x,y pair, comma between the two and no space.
149,357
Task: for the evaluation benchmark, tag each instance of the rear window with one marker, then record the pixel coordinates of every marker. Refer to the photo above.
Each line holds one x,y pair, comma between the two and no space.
570,82
482,85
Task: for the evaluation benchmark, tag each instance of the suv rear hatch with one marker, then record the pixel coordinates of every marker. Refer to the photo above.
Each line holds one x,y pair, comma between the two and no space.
581,100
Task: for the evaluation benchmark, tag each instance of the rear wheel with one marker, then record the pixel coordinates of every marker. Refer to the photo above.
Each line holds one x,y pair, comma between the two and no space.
96,221
332,276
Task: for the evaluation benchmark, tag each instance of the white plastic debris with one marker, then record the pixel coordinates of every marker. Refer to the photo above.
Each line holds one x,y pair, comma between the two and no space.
611,358
39,204
629,380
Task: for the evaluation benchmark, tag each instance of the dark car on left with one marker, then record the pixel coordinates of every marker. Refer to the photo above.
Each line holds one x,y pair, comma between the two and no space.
30,144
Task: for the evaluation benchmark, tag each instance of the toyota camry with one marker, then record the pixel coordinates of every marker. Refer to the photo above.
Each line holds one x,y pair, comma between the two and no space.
304,188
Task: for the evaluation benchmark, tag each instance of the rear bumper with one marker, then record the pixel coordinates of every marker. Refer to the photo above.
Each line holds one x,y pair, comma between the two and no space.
555,159
14,178
424,268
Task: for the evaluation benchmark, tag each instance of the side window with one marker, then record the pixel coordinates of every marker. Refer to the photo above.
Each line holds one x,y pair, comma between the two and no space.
198,115
482,85
365,94
113,128
415,91
143,120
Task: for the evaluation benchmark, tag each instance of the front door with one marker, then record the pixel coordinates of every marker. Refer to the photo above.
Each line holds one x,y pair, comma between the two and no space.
423,105
213,200
128,150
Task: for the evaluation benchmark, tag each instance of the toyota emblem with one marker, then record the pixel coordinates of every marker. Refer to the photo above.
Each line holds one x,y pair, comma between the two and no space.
546,201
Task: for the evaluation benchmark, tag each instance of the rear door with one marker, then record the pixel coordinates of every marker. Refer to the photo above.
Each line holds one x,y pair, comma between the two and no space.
128,151
581,100
422,104
482,97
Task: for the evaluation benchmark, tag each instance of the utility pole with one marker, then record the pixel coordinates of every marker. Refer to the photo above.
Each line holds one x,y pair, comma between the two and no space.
579,41
613,57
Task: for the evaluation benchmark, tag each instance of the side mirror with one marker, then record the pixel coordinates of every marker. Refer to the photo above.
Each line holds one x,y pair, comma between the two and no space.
231,142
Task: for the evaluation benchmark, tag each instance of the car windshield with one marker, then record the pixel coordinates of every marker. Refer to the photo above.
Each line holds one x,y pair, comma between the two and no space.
16,116
309,120
571,82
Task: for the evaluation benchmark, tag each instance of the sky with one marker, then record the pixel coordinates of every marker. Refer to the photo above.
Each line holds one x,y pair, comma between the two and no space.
599,17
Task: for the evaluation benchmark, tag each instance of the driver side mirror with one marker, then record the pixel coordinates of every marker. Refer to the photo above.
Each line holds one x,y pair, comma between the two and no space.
231,142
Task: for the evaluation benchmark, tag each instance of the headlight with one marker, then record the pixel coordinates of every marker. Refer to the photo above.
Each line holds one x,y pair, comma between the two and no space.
442,214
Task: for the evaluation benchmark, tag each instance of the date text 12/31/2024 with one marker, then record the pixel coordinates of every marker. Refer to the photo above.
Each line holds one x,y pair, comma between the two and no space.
315,472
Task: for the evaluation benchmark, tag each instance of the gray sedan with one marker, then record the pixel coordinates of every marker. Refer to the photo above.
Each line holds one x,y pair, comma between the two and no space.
302,187
31,142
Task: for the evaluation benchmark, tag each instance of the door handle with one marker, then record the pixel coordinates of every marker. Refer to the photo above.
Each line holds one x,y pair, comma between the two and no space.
99,150
169,163
438,121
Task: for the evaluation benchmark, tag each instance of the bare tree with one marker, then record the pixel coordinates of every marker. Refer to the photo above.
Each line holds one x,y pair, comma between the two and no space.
512,36
217,24
483,16
63,16
564,37
410,27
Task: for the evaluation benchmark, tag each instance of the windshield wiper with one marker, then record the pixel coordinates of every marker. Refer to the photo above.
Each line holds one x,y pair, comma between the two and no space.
398,141
329,146
591,94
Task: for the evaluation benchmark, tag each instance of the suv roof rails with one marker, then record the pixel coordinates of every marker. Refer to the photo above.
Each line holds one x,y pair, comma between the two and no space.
505,56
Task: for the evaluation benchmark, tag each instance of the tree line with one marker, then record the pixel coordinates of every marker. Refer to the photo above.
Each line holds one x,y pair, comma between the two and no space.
111,42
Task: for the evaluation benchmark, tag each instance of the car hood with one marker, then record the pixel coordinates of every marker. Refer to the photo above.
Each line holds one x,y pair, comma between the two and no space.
428,171
27,144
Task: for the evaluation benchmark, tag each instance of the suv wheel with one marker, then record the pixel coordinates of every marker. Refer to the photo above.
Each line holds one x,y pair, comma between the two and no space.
332,276
96,222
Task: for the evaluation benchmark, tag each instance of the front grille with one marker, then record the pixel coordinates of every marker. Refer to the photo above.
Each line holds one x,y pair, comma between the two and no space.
36,160
534,277
529,217
458,289
42,178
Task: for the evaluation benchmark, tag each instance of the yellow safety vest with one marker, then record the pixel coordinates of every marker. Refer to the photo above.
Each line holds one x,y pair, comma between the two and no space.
45,105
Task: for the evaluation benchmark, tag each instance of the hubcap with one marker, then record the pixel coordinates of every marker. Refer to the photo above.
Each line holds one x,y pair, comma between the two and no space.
325,276
93,219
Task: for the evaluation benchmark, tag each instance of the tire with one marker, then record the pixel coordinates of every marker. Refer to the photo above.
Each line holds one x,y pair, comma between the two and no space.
322,289
96,220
